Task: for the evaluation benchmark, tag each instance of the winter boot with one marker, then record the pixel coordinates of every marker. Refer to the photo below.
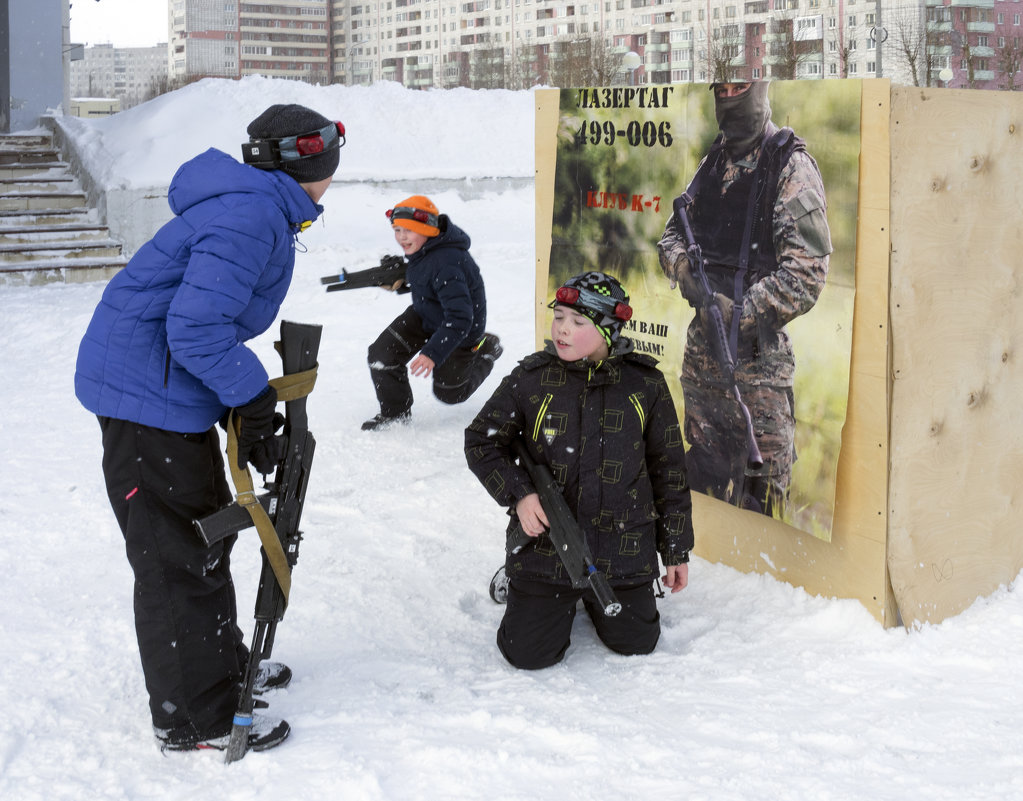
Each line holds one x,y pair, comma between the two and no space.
271,676
382,421
499,586
266,732
490,347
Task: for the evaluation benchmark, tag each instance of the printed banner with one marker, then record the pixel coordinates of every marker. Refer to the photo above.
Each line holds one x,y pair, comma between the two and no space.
623,154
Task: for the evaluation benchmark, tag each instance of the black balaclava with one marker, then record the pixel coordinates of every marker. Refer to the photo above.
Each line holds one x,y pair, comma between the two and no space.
742,119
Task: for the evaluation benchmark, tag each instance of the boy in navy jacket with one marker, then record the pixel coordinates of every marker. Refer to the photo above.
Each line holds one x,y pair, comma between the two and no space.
601,417
444,328
163,359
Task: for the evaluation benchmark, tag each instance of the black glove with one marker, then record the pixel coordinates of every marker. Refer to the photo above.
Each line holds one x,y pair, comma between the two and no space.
260,420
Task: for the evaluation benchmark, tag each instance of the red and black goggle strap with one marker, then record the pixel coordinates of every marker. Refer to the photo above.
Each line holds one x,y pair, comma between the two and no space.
269,154
587,298
412,213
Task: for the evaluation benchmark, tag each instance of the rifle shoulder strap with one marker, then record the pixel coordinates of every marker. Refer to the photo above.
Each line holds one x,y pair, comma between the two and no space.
289,387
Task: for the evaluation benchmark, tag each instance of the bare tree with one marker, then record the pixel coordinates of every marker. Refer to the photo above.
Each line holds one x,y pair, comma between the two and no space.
568,62
787,52
519,72
486,68
844,48
583,61
158,85
1010,60
720,56
908,36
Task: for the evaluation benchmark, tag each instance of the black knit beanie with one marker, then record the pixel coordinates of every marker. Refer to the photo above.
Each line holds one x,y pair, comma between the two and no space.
282,120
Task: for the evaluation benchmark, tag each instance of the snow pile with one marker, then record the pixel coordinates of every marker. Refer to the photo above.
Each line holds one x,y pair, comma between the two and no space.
393,133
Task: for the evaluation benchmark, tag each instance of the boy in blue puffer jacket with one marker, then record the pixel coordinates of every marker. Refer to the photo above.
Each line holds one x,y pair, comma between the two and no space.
163,359
443,328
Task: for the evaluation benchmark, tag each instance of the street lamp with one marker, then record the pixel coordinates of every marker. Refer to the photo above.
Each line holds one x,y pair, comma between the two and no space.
945,75
631,61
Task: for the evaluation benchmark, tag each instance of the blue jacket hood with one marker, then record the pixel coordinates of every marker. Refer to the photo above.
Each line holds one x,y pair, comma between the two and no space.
216,173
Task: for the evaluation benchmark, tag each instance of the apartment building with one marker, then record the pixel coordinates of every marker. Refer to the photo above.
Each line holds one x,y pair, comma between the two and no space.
129,74
519,43
278,38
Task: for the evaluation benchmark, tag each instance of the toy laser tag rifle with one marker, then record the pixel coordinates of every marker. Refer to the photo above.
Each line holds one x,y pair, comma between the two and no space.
565,534
390,270
718,334
275,513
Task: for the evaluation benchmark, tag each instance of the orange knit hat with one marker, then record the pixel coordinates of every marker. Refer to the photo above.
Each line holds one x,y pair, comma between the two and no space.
417,213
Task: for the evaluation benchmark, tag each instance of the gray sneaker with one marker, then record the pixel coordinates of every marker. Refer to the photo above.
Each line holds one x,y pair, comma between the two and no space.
265,733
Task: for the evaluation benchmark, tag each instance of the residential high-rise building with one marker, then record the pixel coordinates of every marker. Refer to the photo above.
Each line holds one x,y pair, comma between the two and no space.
280,39
130,74
519,43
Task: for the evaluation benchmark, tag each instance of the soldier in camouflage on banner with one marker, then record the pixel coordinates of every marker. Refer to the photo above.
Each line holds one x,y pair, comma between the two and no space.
757,210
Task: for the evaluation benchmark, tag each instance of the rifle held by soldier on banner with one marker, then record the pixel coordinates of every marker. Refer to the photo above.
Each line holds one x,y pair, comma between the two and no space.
717,332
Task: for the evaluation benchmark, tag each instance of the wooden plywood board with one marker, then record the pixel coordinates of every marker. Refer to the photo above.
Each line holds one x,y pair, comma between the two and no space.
546,151
956,476
853,564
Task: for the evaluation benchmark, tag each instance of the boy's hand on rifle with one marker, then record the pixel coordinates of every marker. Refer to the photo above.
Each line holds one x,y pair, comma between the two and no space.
395,286
422,365
531,515
260,420
676,577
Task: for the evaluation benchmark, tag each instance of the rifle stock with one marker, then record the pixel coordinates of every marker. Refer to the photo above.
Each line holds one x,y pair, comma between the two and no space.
718,333
298,346
565,534
390,270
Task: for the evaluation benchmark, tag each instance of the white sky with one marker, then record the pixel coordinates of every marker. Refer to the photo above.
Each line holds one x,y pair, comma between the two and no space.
123,23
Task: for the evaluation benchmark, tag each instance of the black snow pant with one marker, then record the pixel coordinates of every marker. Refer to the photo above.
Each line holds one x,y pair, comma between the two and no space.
192,650
536,630
454,380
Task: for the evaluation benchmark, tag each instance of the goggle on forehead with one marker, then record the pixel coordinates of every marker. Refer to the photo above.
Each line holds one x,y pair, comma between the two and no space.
267,154
588,299
412,213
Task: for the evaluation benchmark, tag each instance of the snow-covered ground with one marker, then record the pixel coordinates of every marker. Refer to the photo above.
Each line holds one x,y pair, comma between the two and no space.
756,690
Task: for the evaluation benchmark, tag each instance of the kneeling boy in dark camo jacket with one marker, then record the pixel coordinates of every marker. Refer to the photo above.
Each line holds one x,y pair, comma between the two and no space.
600,416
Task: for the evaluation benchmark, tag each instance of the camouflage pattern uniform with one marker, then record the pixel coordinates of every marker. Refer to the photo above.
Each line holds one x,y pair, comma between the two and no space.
777,288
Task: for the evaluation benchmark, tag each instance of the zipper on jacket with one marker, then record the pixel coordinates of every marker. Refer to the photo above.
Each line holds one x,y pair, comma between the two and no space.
166,369
540,415
634,400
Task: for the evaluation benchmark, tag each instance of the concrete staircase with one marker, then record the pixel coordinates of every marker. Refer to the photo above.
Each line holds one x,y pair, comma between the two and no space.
47,230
